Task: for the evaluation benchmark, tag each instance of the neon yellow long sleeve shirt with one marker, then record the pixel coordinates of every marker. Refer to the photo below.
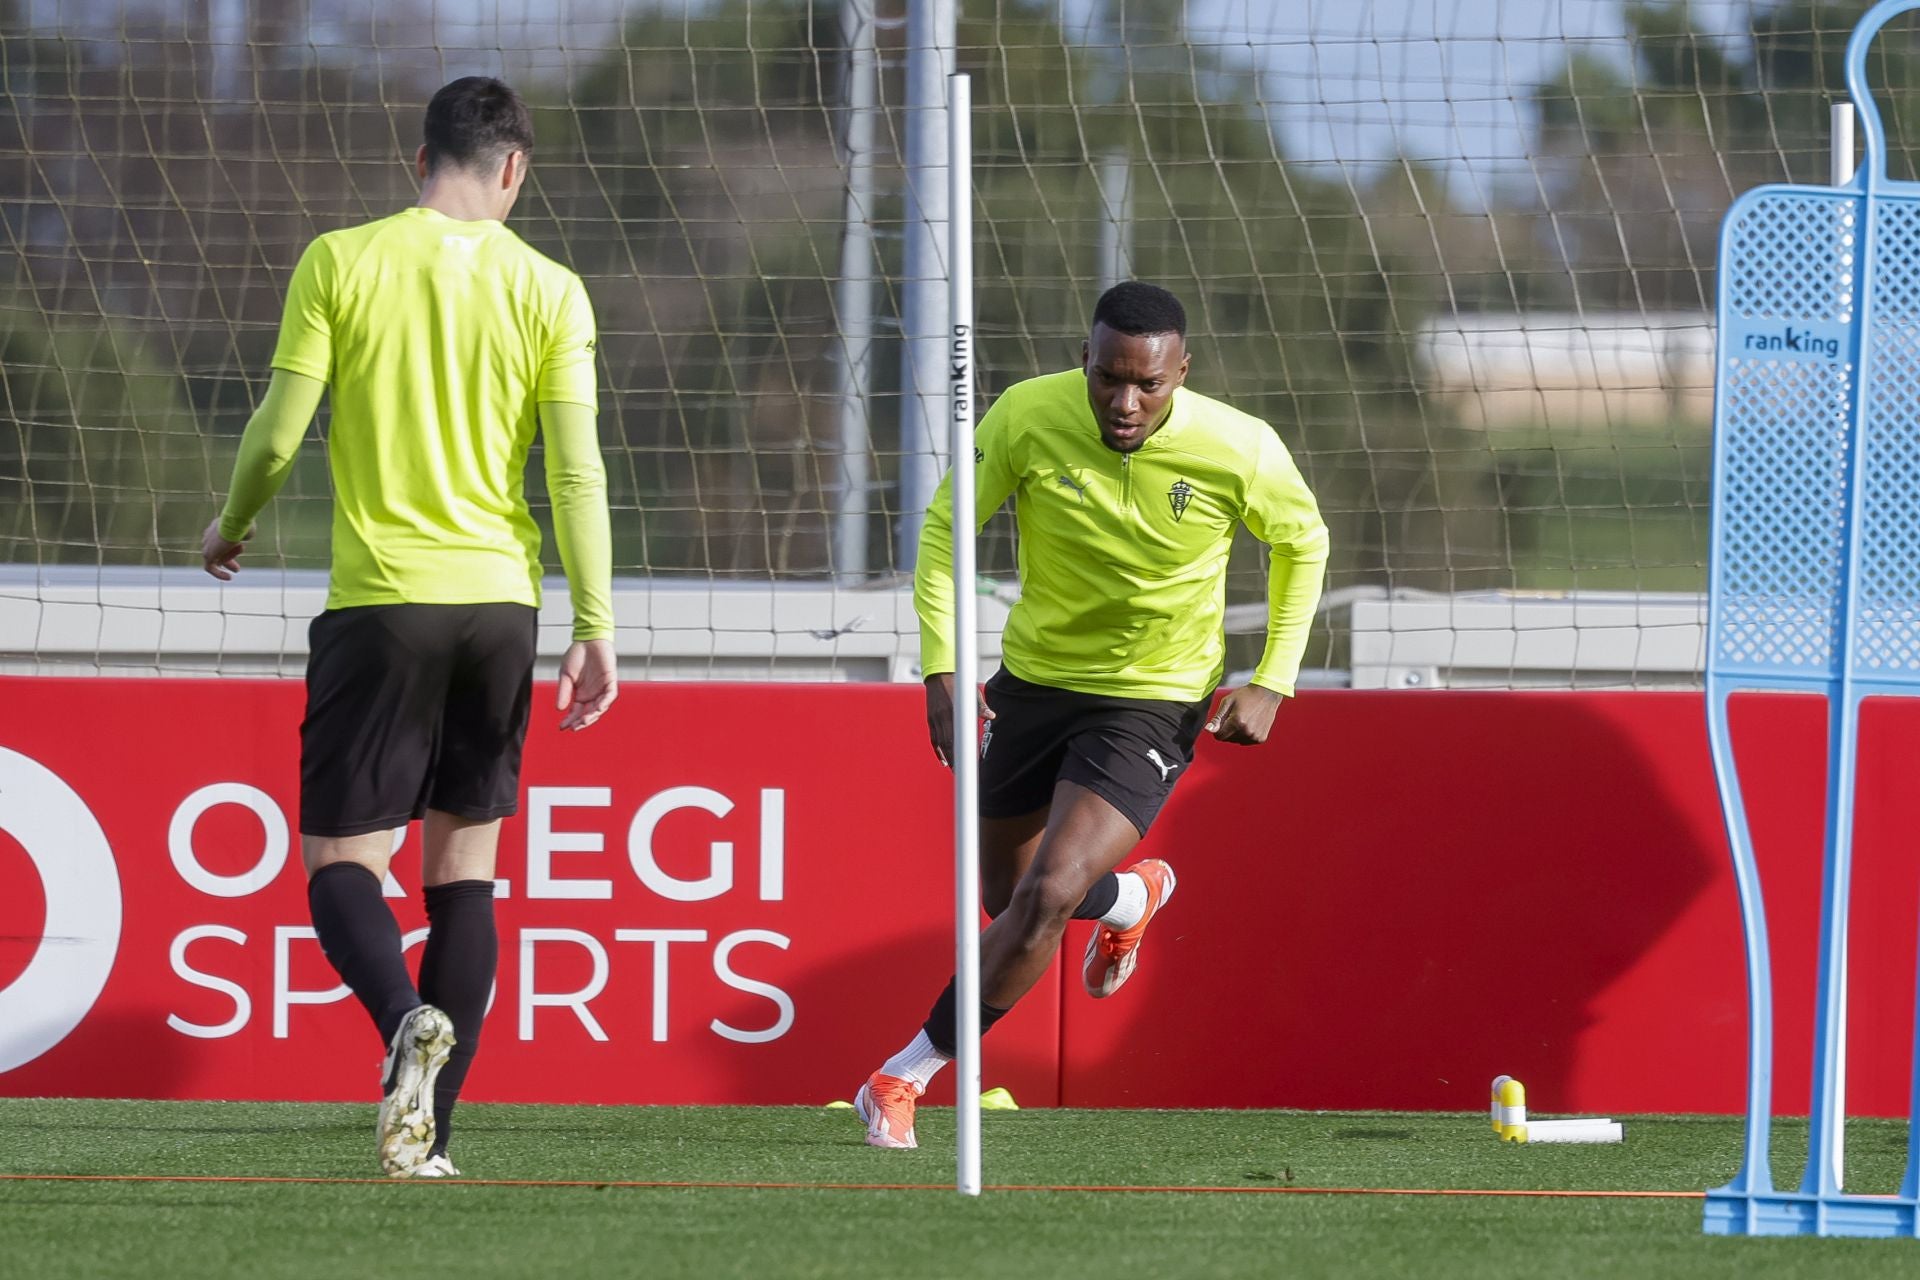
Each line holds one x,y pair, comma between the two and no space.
1123,557
445,345
576,481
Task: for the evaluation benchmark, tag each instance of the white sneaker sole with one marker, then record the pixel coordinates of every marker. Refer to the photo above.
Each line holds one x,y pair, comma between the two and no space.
879,1137
419,1049
435,1167
1117,976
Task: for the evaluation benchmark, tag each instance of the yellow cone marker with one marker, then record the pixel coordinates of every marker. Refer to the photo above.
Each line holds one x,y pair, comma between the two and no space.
1511,1117
991,1100
1509,1112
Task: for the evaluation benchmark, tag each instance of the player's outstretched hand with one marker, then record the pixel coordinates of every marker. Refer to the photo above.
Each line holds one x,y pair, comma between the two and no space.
1245,716
589,682
221,557
940,714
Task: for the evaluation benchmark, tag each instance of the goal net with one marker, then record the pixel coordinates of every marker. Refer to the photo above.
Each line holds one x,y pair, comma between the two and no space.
1460,255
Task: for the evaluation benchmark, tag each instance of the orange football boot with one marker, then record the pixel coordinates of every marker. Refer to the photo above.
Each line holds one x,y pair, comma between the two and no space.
886,1104
1113,953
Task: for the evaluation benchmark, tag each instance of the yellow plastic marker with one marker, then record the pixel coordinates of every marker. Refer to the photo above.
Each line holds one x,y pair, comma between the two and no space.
991,1100
1511,1123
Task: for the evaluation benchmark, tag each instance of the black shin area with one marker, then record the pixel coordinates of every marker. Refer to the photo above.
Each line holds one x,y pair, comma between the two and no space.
456,974
940,1025
362,941
1099,899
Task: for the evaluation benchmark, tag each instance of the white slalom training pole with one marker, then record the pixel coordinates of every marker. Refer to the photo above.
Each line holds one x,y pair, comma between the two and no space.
966,641
1839,173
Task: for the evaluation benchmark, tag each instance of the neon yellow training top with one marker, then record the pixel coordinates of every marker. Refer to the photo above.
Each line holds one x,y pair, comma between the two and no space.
440,340
1123,557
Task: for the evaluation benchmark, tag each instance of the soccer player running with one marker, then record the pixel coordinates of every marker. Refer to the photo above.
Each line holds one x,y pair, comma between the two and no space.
1127,489
445,341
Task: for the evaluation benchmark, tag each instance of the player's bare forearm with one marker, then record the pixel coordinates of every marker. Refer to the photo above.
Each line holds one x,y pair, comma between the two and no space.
1245,716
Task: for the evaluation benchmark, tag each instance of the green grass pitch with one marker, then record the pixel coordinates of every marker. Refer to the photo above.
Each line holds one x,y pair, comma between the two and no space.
163,1229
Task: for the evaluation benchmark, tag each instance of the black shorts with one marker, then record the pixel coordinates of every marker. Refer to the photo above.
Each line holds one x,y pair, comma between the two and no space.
413,707
1127,751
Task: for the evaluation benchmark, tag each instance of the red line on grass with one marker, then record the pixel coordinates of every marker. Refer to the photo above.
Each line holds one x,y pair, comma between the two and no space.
610,1185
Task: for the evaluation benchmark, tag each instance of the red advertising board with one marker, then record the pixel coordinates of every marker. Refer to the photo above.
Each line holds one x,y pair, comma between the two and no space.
1416,892
716,895
742,894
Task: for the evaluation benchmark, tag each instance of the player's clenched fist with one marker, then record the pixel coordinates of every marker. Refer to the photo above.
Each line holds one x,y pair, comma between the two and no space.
1245,716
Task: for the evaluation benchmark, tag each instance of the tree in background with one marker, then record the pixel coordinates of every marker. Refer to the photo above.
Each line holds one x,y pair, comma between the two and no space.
154,203
1640,162
710,145
100,458
691,171
1637,162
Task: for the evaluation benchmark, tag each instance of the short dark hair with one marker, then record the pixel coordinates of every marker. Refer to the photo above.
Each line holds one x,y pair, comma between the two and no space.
1136,308
474,122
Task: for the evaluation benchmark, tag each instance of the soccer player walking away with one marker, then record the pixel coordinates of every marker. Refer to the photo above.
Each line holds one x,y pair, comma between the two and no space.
1128,489
445,341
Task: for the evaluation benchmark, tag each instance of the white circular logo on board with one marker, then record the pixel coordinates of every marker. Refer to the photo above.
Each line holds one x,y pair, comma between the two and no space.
82,887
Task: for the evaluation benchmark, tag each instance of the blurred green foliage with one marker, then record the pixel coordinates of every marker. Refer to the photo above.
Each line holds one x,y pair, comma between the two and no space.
692,171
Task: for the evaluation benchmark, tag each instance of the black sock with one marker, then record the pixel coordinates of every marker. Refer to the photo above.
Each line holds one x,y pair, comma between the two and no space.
362,941
456,975
941,1023
1099,899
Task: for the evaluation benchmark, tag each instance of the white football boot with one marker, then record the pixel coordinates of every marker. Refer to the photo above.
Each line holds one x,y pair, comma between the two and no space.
414,1058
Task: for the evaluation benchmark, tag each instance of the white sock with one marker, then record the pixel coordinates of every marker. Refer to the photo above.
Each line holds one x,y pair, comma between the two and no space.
919,1062
1130,906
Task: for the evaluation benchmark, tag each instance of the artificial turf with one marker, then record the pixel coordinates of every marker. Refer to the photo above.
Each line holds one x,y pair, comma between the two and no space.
163,1229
